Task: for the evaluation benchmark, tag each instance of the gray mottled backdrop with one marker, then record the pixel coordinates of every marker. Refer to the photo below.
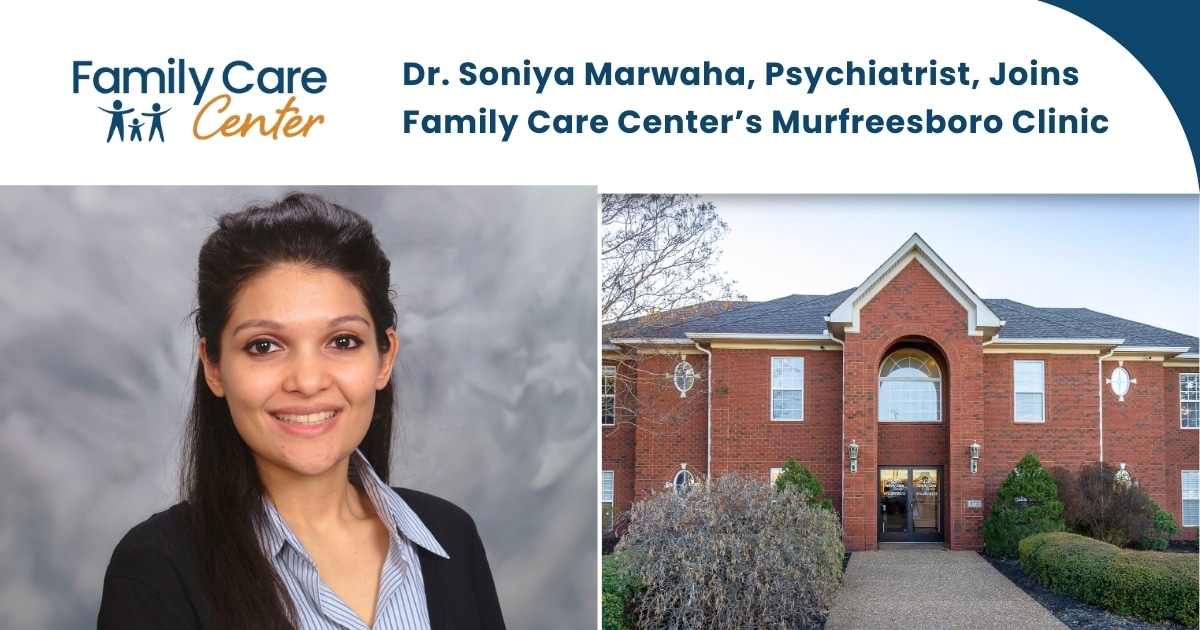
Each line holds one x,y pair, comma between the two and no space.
497,378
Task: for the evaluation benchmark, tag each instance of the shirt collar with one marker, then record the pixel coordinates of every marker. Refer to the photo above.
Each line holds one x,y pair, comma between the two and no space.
400,519
396,514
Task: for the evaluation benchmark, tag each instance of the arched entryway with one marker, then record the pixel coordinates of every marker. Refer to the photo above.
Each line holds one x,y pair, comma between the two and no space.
913,390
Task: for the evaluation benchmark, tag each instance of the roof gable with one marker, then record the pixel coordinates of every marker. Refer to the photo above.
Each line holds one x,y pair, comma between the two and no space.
981,320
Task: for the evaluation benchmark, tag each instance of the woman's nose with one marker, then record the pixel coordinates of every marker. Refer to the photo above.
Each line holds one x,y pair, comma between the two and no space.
307,373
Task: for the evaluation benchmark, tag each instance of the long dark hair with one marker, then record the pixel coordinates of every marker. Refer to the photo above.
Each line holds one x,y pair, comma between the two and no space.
220,480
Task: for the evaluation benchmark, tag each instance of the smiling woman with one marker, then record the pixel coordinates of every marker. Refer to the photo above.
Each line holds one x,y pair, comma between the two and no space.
288,520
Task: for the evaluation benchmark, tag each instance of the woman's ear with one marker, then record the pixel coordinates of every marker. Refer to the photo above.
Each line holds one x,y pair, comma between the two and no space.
387,360
212,373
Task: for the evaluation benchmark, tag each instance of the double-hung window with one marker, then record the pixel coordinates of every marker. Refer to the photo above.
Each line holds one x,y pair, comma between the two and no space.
1191,498
608,395
787,388
606,500
1029,391
1189,401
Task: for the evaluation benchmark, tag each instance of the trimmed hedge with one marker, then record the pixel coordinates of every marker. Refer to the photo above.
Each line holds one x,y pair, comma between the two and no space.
1149,585
620,590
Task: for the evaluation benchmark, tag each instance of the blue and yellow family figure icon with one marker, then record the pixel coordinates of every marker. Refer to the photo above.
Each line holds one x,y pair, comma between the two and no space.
135,128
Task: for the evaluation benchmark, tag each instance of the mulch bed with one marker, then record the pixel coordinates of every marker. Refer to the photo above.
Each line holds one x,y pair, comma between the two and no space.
1072,613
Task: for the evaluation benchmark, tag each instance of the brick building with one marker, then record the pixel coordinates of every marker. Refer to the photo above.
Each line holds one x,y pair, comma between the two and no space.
910,370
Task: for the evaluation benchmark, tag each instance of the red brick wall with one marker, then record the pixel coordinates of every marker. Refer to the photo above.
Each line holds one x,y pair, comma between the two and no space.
903,444
914,306
619,442
1070,434
1182,450
747,441
1134,431
670,430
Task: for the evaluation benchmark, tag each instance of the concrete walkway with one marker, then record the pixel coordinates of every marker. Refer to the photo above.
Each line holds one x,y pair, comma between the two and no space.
931,588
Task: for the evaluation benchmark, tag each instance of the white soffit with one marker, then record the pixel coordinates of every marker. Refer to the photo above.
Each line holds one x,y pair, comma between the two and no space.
980,319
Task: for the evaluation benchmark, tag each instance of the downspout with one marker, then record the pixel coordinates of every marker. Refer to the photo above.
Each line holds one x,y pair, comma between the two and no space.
1100,372
708,408
843,504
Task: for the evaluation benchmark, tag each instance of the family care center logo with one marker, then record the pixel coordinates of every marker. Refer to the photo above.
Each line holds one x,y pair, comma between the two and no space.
142,97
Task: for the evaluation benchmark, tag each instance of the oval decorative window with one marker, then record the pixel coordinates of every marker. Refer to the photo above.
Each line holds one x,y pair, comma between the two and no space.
685,377
1120,382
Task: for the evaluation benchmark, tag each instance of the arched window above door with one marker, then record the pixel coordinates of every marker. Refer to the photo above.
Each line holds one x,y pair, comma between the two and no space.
910,387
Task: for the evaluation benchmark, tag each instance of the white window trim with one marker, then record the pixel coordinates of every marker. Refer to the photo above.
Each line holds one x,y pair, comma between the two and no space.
800,389
606,372
1181,400
607,492
775,472
1015,392
1185,496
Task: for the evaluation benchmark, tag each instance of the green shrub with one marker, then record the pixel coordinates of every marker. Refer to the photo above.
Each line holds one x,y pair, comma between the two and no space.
1026,504
1164,522
1164,526
1153,544
620,591
1149,585
798,478
733,553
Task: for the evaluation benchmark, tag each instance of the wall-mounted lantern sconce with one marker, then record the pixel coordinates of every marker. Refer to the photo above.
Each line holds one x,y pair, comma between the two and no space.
853,450
974,457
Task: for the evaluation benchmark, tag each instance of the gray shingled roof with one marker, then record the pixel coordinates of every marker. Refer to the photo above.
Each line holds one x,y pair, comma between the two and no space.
674,323
1028,322
805,315
791,315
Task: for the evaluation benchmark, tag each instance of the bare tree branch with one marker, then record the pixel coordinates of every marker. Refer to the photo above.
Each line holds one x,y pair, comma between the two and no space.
658,253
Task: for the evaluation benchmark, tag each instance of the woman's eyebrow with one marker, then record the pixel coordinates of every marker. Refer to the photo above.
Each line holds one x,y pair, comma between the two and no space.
273,325
257,323
338,321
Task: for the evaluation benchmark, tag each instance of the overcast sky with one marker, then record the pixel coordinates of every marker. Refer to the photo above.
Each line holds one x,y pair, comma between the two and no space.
1136,257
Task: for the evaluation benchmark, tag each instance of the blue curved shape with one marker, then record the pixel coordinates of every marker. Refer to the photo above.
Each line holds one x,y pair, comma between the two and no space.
1161,34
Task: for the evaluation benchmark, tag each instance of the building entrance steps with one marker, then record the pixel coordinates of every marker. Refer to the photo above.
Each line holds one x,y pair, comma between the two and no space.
926,587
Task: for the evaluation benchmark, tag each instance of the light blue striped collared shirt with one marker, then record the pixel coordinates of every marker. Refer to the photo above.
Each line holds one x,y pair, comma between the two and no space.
401,603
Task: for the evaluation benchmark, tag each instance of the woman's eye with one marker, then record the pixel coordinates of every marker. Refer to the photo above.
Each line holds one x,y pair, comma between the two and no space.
261,346
346,342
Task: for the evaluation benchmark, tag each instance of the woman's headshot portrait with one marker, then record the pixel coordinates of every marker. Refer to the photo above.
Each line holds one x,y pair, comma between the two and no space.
298,407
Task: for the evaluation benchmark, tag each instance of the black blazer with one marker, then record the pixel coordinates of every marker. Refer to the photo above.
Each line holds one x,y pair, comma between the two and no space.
153,581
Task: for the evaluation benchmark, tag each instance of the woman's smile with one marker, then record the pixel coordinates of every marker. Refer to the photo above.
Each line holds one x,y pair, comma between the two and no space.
318,417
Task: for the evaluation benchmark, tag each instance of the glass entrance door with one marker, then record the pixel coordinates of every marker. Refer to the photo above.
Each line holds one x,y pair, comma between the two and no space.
910,504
